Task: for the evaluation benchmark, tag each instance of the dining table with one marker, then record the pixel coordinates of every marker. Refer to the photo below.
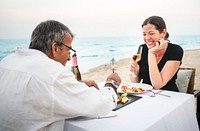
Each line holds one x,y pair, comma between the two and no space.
165,111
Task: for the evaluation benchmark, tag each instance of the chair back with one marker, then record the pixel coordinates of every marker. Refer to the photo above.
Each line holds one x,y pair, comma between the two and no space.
185,80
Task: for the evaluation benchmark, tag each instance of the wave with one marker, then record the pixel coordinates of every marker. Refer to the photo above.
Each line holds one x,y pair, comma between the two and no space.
112,50
89,56
95,51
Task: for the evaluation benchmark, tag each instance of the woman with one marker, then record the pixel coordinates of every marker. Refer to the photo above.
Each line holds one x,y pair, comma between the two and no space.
160,60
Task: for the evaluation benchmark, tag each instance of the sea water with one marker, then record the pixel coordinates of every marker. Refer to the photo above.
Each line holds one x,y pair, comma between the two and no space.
95,51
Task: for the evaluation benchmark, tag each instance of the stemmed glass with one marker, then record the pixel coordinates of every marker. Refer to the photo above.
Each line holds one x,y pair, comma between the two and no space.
112,64
137,56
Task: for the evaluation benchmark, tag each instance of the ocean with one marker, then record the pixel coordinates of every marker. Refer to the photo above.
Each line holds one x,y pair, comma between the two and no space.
95,51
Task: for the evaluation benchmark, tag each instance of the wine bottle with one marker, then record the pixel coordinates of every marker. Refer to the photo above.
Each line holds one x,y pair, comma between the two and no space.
75,68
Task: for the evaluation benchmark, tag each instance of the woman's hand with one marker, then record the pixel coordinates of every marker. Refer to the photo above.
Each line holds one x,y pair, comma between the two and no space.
160,45
134,68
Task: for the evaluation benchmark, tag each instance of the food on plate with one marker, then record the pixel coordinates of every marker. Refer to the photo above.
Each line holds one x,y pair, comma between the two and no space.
123,98
125,88
139,90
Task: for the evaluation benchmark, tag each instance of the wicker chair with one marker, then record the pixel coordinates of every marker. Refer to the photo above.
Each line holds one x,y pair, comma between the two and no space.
185,80
185,83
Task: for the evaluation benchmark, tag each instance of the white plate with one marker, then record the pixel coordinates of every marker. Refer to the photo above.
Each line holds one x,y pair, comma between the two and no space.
145,87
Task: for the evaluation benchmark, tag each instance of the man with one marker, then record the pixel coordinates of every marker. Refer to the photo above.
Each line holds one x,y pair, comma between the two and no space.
38,93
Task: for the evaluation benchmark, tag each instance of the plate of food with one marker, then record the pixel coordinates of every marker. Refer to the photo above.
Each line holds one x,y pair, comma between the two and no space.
135,88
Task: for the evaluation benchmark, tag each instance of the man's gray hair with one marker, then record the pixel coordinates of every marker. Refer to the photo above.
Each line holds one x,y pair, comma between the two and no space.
46,33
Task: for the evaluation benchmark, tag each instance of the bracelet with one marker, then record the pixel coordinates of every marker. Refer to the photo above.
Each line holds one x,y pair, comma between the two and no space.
111,86
113,82
132,75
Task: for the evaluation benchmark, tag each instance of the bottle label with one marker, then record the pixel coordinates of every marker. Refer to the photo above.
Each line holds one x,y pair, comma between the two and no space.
74,60
75,68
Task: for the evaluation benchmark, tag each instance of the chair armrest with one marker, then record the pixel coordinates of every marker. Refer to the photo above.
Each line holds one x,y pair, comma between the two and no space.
196,93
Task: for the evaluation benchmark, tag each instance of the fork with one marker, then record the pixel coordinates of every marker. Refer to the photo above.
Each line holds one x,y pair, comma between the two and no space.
157,93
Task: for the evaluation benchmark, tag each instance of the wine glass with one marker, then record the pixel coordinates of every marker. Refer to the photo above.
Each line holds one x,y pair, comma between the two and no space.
112,64
137,56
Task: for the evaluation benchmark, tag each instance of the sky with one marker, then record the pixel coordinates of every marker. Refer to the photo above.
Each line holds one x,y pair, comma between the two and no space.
98,18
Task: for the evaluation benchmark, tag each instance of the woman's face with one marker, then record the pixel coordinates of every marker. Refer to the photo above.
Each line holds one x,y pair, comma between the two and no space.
151,35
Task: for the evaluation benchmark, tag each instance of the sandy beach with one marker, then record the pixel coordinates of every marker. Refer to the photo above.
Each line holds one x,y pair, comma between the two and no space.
100,73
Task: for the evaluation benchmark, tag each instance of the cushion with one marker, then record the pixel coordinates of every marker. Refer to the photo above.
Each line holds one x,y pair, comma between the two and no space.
183,79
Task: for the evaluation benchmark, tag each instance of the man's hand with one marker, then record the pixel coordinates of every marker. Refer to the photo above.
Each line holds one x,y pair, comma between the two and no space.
91,83
115,77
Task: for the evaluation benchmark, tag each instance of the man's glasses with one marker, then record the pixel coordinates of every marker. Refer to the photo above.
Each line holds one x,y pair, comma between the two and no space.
66,46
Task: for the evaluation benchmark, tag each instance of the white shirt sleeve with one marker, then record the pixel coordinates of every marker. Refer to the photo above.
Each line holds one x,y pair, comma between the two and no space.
40,93
72,98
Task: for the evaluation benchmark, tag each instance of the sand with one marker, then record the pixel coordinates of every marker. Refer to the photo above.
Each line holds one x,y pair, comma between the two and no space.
191,59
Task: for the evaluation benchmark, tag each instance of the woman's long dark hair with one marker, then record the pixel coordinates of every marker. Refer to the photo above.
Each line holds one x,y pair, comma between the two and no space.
158,22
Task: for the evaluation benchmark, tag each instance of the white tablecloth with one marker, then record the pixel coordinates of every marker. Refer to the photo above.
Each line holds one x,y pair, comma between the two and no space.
160,113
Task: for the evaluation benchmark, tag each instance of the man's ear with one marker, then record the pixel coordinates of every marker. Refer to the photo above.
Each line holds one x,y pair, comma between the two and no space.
54,48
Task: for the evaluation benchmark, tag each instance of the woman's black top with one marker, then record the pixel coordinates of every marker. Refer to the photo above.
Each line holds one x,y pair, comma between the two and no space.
173,52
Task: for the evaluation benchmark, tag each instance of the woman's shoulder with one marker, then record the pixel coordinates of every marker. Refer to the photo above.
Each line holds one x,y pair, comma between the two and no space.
175,47
145,48
144,45
175,50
